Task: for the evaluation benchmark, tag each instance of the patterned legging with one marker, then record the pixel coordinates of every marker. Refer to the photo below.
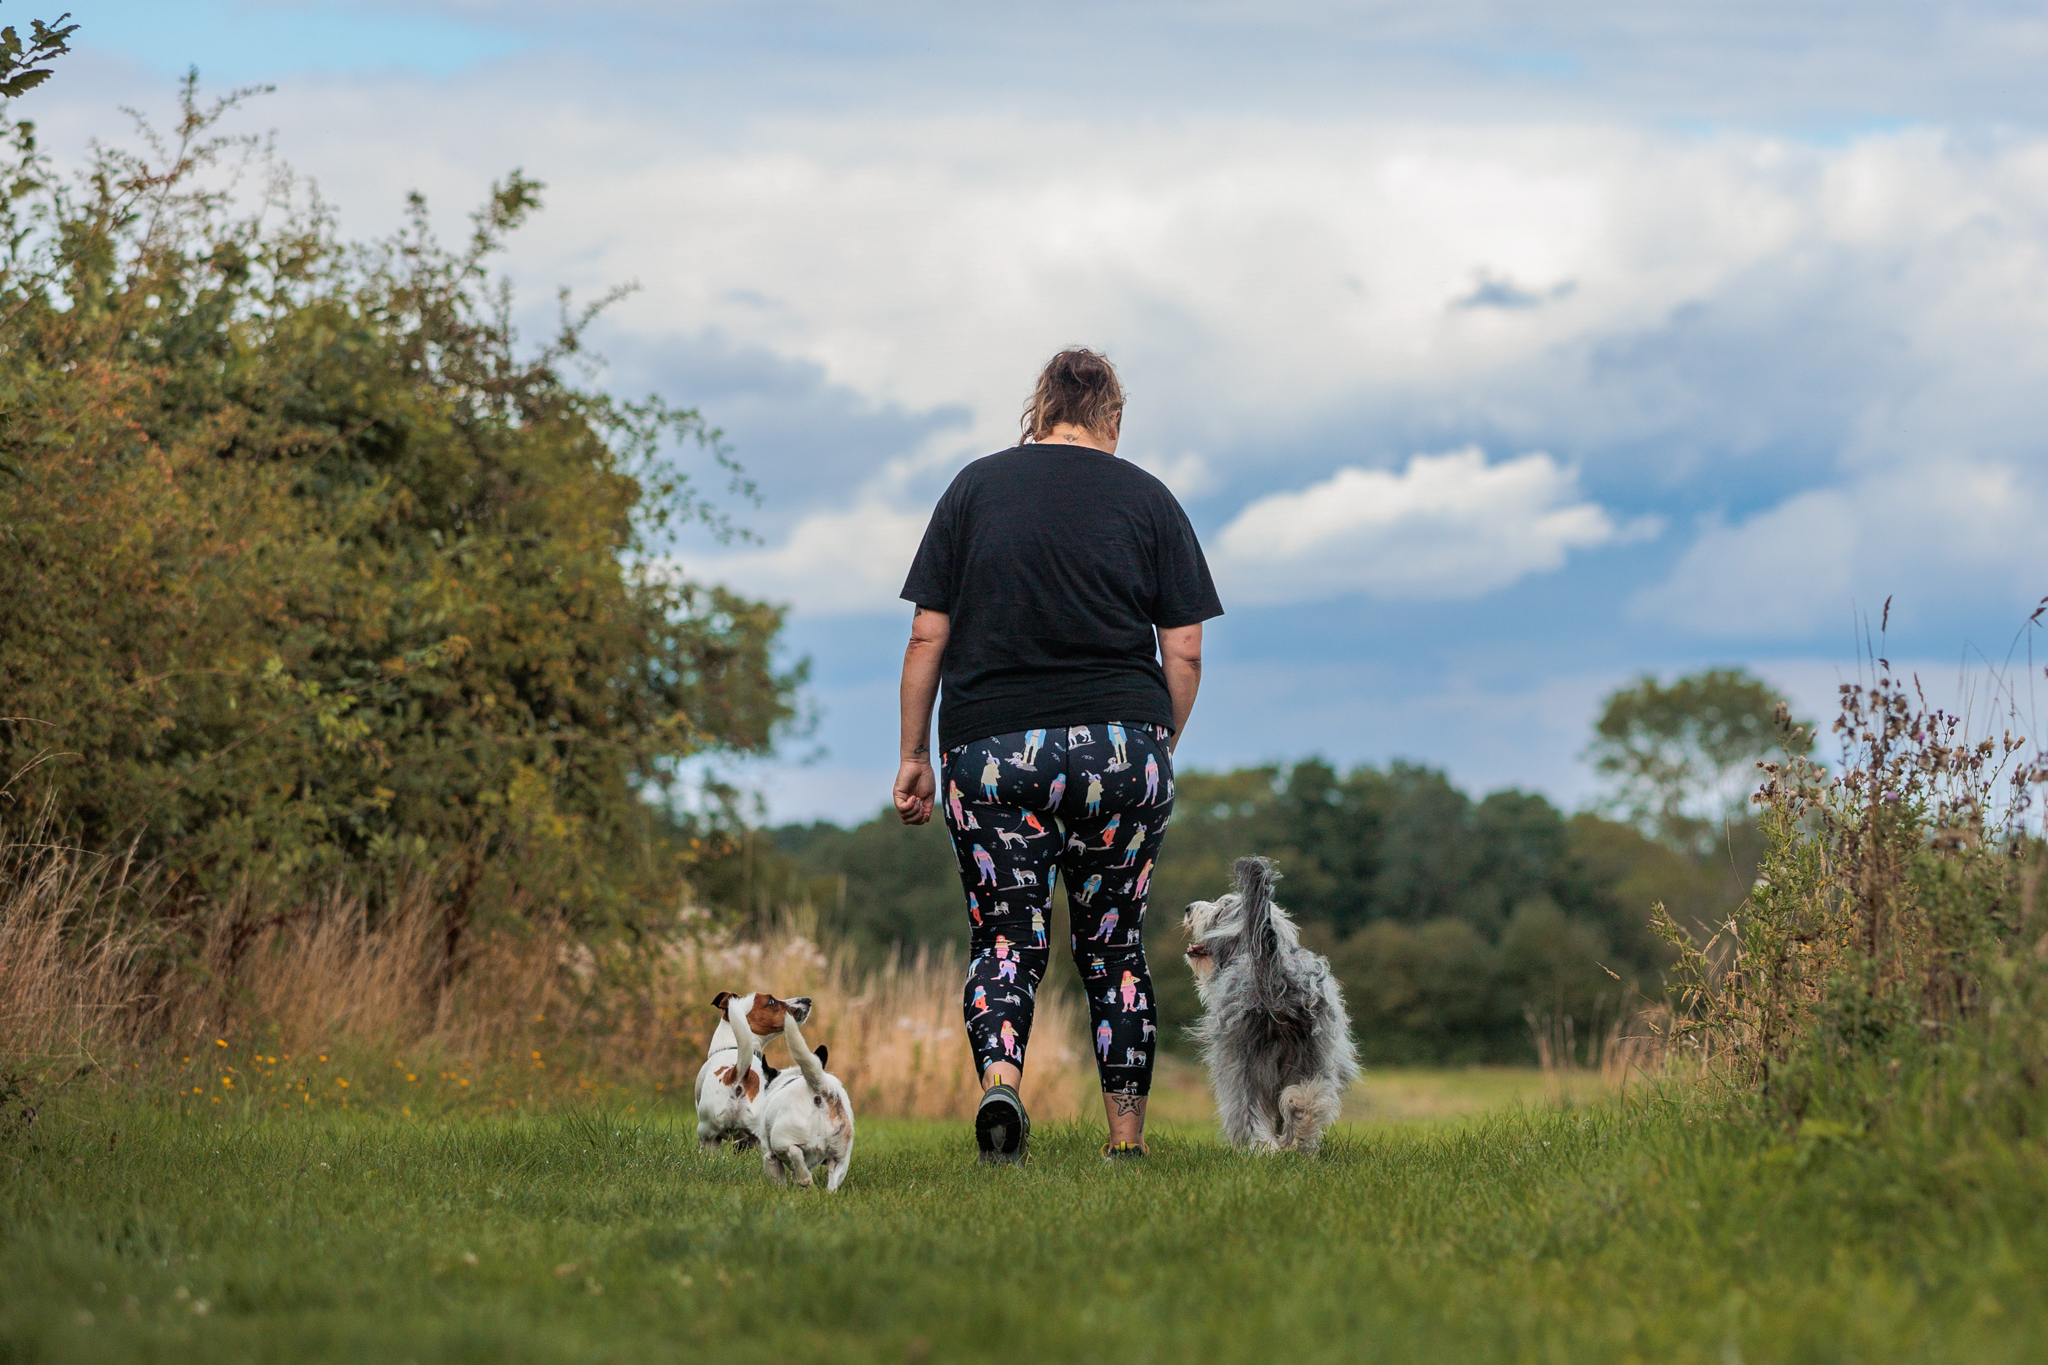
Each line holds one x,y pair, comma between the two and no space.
1089,801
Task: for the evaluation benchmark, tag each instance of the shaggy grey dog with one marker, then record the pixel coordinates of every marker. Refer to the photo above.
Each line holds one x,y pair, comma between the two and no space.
1273,1028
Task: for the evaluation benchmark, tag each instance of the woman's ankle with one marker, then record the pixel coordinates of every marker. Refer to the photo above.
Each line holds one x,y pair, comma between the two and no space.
1126,1115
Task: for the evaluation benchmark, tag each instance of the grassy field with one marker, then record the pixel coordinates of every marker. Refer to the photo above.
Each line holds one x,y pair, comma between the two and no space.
1180,1092
1639,1230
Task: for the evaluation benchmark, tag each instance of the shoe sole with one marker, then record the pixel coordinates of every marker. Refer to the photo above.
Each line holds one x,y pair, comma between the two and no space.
994,1126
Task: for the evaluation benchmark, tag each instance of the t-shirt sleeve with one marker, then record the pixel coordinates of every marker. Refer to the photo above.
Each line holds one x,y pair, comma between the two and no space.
1186,594
932,581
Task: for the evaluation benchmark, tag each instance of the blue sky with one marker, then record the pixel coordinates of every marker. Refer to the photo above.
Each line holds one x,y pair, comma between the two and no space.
1499,352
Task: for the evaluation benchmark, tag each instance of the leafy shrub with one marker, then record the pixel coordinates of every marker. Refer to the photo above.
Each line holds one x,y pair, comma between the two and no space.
1891,950
311,573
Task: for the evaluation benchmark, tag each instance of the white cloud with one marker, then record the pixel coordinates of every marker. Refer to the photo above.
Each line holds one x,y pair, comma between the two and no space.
935,260
925,260
833,563
1681,312
1256,277
1189,474
1951,531
1447,526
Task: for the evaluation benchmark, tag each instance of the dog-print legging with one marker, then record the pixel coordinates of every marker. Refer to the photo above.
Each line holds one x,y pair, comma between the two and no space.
1087,801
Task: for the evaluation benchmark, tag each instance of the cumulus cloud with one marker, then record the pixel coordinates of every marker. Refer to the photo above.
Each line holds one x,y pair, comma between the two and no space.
1735,320
1446,526
833,563
1189,474
1648,301
1939,540
1594,285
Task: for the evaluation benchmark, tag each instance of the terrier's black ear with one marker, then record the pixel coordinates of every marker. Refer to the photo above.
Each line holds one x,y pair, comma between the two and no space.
721,1000
821,1053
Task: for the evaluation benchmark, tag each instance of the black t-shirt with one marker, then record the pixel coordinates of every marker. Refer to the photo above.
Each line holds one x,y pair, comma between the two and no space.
1055,562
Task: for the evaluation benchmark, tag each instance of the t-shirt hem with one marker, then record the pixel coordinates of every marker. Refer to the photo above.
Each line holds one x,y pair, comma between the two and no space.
950,740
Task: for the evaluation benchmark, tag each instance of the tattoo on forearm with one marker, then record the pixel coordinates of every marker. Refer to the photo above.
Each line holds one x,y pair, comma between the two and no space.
921,751
1126,1105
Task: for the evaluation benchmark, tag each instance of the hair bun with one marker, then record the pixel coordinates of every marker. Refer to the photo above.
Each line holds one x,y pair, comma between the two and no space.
1077,387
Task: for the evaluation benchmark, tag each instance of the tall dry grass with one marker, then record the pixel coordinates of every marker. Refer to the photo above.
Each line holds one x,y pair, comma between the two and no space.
1629,1047
73,981
94,968
894,1032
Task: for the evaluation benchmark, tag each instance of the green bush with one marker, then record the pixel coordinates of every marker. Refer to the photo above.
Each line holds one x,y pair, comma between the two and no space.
312,572
1887,971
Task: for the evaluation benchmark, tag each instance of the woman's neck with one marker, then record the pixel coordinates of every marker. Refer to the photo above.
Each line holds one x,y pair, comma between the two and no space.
1067,434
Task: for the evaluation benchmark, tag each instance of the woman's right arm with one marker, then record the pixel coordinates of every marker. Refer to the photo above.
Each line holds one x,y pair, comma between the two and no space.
915,784
1180,654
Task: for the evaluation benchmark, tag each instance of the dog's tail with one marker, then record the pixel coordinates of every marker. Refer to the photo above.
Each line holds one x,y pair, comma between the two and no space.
812,1064
1255,878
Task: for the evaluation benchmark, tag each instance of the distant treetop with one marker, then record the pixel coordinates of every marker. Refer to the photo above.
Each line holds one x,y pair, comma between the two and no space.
1683,757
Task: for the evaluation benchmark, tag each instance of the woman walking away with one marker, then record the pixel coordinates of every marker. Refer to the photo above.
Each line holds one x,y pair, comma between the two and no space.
1047,576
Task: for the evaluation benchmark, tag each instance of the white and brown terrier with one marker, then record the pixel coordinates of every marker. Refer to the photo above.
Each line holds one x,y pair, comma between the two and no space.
804,1119
734,1073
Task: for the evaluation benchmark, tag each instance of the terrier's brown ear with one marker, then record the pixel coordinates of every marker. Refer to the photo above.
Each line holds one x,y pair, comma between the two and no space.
721,1000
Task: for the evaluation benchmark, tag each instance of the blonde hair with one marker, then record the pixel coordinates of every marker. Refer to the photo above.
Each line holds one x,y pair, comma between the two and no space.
1077,386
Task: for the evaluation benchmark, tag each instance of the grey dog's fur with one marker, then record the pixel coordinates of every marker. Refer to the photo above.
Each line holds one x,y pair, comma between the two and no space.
1273,1028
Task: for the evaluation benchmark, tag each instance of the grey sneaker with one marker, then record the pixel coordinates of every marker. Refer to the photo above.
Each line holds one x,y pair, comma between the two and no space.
1002,1128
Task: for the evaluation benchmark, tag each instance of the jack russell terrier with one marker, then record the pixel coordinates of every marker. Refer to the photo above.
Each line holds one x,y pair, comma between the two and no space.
734,1074
804,1118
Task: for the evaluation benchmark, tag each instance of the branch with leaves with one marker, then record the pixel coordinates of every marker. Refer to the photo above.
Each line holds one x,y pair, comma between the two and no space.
22,66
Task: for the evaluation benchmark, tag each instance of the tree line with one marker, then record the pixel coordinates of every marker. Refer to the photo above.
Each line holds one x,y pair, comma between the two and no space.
1452,921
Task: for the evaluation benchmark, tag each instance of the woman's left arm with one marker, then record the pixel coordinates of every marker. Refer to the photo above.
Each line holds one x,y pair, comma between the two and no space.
1180,654
915,784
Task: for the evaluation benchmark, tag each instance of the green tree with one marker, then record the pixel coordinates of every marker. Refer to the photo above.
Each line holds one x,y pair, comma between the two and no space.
877,885
1426,862
312,571
1683,758
1426,993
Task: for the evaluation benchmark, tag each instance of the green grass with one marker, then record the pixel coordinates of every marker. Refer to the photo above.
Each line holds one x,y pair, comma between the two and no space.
1180,1092
1651,1230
